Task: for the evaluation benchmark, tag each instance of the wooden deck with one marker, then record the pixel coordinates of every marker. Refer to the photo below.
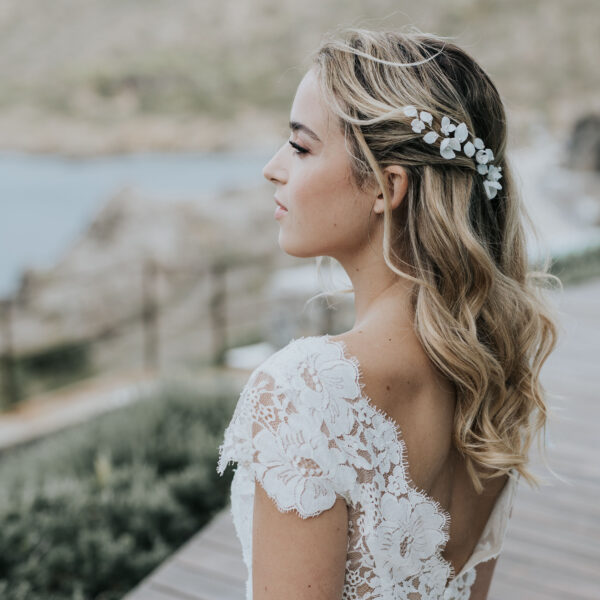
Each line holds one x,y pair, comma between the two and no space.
552,550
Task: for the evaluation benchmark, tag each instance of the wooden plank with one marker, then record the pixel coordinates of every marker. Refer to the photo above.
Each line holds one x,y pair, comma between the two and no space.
505,588
530,573
219,560
554,553
199,583
232,543
222,524
560,521
151,592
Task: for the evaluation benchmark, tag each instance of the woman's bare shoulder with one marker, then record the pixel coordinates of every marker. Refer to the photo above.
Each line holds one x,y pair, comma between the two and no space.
393,359
400,380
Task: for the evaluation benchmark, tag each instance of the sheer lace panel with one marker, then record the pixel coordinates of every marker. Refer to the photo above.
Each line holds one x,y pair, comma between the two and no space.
305,431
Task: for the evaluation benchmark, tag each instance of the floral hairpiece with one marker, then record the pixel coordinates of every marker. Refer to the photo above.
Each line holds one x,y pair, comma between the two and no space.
484,156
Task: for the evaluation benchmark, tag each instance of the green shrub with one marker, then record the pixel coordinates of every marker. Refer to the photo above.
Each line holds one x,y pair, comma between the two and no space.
88,513
47,369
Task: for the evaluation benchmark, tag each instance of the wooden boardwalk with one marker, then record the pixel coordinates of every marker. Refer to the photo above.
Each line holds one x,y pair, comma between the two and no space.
552,550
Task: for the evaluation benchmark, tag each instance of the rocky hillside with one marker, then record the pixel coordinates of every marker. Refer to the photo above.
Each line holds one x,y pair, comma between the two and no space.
138,249
120,75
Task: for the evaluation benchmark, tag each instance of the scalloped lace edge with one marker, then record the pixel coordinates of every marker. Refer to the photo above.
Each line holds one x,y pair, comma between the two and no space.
444,514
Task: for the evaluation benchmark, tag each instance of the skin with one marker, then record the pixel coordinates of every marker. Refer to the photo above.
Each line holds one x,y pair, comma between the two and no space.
327,215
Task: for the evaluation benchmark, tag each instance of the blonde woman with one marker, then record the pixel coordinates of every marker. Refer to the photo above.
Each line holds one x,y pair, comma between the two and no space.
382,463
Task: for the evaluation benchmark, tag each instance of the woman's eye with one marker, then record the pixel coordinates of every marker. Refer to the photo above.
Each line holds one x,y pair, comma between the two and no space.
298,149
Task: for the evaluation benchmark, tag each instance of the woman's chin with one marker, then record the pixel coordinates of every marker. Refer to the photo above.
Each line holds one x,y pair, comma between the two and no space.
298,250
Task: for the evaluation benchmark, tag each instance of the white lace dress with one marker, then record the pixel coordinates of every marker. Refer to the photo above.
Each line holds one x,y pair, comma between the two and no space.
304,429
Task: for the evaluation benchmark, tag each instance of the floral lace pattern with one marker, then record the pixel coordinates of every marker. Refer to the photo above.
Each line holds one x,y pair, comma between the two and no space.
306,432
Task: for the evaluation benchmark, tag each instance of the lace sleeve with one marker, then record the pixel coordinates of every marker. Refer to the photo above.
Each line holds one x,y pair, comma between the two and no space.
278,432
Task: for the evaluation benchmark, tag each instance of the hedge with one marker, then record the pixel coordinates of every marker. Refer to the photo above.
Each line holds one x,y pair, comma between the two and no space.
89,512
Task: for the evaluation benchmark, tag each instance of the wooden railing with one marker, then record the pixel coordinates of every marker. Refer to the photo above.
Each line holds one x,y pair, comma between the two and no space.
146,314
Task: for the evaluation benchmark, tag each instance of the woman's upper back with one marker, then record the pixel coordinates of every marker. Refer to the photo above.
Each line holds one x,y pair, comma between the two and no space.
400,380
307,431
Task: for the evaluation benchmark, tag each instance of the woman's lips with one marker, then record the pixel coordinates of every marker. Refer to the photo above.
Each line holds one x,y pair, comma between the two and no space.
280,209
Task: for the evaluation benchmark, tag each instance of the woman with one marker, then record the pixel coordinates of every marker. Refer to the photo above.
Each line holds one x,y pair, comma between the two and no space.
382,463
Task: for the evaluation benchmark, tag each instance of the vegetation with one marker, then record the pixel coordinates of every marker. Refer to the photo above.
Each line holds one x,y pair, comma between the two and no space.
46,369
86,514
578,265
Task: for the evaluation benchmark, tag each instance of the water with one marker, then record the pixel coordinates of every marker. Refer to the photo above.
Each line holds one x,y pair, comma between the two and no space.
46,201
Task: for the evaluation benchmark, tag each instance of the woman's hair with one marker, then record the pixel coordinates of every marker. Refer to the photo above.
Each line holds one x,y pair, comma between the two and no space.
478,311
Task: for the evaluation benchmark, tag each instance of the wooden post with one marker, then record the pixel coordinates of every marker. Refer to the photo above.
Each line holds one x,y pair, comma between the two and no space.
150,315
8,365
326,316
217,311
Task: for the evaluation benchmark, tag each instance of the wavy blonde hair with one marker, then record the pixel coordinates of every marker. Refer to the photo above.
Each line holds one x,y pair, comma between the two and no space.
478,309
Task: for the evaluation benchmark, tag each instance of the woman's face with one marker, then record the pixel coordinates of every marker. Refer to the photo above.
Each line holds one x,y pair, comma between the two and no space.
326,213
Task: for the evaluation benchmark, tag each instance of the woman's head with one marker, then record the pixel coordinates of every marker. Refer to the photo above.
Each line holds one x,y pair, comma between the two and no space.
366,78
475,303
327,212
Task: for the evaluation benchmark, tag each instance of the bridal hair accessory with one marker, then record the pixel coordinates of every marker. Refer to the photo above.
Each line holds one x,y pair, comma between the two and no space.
484,156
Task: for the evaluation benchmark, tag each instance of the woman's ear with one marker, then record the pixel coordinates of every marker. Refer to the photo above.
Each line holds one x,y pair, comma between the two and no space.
397,180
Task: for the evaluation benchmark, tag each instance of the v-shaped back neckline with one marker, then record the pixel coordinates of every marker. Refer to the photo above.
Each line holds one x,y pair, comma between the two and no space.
399,440
410,484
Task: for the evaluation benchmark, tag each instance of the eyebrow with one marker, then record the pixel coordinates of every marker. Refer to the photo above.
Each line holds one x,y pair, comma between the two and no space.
295,126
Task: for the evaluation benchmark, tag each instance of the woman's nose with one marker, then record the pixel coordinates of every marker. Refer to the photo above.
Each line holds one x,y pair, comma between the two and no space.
274,170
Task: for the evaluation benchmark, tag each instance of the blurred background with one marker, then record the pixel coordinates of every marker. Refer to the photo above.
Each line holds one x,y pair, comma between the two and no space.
140,275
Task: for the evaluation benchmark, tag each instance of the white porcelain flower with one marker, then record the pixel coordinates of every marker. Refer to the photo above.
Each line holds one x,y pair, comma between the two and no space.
494,172
417,125
447,126
469,149
482,157
491,187
461,132
448,146
430,137
426,117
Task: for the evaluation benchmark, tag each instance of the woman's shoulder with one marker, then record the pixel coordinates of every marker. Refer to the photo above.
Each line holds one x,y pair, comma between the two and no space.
397,374
312,362
400,380
292,426
307,383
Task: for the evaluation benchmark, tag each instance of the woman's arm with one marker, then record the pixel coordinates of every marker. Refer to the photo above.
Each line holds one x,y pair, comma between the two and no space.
296,558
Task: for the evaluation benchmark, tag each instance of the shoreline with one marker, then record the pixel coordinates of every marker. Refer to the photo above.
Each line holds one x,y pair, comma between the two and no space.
34,132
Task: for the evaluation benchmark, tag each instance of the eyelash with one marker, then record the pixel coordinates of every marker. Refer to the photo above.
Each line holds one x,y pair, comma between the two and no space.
298,149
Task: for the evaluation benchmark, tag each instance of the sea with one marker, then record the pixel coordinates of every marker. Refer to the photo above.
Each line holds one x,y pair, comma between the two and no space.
47,200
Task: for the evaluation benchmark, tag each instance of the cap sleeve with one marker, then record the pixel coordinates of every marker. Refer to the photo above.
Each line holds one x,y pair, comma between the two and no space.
282,431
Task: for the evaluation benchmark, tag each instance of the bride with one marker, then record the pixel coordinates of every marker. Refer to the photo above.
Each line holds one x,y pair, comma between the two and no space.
382,463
